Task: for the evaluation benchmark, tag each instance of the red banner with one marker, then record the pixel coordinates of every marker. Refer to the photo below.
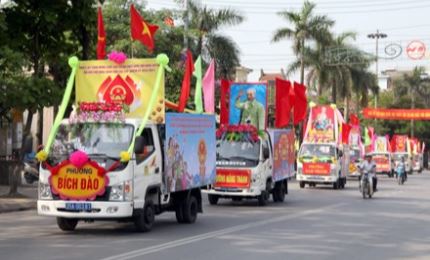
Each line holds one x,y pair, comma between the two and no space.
321,125
397,114
233,178
316,168
382,163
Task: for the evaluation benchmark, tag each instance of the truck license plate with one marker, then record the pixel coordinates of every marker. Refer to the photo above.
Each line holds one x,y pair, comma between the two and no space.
78,206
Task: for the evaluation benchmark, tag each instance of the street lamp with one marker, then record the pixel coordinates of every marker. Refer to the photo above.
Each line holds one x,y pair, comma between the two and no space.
376,36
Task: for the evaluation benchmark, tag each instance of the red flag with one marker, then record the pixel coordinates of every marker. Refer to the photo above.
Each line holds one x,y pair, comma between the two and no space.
186,82
301,103
225,92
101,36
141,30
353,119
346,129
284,102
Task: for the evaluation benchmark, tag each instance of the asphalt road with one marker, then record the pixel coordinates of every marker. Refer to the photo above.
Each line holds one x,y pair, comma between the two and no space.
313,223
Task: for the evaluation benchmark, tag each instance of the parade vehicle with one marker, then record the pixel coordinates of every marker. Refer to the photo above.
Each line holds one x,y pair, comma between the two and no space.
252,164
417,155
356,152
401,149
381,155
322,159
119,156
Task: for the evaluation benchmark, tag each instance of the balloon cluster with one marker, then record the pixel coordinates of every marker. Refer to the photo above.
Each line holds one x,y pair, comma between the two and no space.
238,133
100,106
117,57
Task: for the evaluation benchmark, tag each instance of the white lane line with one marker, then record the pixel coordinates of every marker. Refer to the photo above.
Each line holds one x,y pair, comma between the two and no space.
197,238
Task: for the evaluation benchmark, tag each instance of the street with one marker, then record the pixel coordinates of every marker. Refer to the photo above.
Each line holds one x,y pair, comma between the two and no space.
317,223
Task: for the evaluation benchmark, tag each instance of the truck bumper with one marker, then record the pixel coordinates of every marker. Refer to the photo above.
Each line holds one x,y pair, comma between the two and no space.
99,209
317,178
236,193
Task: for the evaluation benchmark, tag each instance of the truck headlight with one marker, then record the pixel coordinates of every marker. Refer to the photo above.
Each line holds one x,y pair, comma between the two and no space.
256,177
121,192
45,191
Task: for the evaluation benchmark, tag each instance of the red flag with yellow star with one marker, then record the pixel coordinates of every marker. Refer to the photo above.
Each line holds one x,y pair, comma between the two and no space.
141,30
101,36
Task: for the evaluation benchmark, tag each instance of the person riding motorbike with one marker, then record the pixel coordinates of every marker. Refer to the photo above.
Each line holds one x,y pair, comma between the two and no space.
369,166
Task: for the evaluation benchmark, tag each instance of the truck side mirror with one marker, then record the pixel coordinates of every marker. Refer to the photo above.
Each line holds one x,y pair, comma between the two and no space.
266,153
139,145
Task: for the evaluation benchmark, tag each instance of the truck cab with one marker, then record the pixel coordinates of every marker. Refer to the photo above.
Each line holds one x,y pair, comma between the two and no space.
244,170
383,163
355,155
322,163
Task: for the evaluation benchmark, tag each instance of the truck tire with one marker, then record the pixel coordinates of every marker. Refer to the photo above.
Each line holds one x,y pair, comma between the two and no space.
179,213
67,224
263,198
336,185
144,220
302,185
279,192
189,210
213,199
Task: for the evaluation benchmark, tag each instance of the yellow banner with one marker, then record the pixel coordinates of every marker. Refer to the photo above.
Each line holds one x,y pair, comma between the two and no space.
130,83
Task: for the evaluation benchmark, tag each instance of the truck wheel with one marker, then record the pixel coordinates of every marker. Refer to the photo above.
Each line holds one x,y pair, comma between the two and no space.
279,192
179,213
189,210
213,199
263,198
67,224
336,185
145,219
302,185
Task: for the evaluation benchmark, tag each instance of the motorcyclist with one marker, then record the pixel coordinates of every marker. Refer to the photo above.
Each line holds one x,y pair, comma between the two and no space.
369,166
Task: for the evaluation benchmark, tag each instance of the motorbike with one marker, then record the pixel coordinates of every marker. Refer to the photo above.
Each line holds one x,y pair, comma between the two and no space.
30,173
401,176
366,187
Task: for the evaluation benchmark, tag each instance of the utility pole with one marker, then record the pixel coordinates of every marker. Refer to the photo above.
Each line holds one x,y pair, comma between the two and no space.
376,36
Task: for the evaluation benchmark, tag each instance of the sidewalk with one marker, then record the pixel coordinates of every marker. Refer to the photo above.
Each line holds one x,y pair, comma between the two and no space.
16,204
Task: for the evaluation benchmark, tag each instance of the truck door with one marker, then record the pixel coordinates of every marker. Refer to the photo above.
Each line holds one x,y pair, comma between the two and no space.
148,165
267,155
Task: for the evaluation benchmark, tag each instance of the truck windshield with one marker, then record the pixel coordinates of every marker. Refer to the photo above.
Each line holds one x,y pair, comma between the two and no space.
99,140
398,156
354,154
232,153
317,152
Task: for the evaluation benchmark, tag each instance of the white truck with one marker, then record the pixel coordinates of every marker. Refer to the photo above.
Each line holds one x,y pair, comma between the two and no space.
324,163
158,177
253,169
322,159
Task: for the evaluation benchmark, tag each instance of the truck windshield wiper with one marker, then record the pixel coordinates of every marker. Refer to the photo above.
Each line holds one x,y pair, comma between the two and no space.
245,158
104,155
222,158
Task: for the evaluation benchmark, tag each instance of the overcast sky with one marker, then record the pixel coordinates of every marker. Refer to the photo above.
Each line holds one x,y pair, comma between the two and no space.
402,20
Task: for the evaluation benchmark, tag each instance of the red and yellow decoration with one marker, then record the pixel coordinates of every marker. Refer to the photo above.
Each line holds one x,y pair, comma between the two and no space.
397,114
316,168
233,178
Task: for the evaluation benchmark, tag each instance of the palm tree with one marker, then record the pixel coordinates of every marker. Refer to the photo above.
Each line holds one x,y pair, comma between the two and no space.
306,26
204,25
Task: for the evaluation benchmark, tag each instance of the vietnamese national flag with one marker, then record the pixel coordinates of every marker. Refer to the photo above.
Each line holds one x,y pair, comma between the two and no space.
301,103
186,82
225,93
346,129
101,36
353,119
141,30
284,102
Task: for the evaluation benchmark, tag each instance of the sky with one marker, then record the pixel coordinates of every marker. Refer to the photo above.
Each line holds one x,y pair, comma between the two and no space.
404,21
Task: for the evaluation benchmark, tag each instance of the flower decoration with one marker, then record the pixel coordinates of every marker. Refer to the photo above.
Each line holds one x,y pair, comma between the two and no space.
42,156
117,57
239,133
125,156
99,112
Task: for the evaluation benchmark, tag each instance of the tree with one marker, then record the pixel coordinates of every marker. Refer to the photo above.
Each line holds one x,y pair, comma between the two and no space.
204,25
305,27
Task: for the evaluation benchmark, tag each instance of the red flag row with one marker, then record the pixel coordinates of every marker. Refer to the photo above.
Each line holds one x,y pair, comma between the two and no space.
289,97
140,30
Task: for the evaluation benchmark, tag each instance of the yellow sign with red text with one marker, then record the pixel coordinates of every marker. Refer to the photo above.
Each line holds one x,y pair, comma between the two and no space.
84,183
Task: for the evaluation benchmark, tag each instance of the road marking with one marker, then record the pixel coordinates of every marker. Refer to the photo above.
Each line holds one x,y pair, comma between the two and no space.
197,238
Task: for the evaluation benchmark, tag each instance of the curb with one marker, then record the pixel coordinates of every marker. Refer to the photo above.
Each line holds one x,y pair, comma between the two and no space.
11,205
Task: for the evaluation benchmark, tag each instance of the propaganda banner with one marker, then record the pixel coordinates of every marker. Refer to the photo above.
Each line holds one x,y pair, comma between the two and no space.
248,102
321,126
400,143
130,83
381,145
229,178
316,168
382,162
190,160
283,153
396,114
355,136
